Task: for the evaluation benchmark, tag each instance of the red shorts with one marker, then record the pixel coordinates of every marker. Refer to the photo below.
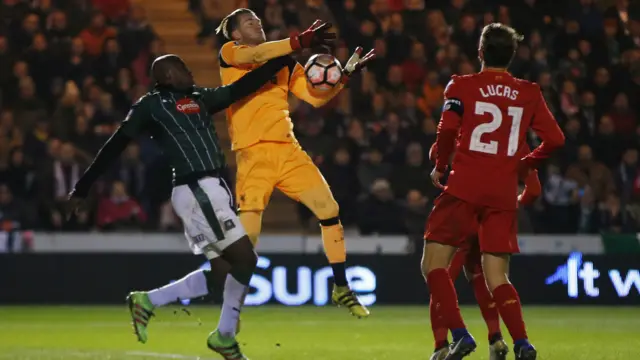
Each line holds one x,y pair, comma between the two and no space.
453,221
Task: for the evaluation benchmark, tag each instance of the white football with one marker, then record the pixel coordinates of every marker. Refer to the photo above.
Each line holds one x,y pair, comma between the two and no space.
323,72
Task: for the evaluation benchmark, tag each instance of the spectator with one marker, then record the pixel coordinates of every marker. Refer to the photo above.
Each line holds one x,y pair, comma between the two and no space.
58,32
39,59
468,35
379,213
132,172
19,176
371,168
76,67
110,62
613,215
415,216
432,93
412,175
136,34
23,38
56,180
392,140
398,42
409,113
588,216
589,113
560,194
602,88
573,139
394,87
83,138
118,211
624,118
607,144
573,68
28,107
341,177
317,144
628,176
10,137
65,113
96,35
569,99
588,172
413,69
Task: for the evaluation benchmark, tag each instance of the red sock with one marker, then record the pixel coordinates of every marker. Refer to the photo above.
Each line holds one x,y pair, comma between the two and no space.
508,304
443,292
487,305
438,326
458,260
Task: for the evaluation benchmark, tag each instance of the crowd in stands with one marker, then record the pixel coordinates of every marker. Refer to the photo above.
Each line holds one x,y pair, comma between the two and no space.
73,68
70,71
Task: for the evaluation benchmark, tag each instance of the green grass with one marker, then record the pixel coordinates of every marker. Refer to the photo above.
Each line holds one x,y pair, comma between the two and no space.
310,333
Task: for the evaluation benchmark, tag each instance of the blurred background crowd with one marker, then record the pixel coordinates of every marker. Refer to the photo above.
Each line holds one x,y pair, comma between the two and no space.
73,67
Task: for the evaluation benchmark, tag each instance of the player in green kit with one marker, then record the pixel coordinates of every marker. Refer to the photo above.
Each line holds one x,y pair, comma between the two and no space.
177,114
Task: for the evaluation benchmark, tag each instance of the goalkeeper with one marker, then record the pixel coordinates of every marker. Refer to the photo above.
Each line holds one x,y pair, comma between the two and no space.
268,154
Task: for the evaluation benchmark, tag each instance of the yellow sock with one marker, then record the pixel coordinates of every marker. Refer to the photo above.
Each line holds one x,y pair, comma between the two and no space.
252,223
333,241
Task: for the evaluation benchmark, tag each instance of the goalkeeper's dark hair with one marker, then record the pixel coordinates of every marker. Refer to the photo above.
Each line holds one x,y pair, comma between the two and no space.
230,23
499,43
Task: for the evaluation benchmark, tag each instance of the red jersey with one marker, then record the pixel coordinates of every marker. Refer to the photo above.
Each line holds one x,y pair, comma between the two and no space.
485,119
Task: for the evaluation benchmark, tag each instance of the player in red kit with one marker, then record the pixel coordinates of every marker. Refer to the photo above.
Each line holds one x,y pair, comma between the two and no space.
485,119
468,256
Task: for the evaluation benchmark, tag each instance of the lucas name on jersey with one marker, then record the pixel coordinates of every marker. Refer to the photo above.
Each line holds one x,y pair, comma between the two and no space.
499,90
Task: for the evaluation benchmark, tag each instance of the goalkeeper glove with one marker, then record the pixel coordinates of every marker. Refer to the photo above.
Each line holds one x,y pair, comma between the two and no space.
356,63
316,35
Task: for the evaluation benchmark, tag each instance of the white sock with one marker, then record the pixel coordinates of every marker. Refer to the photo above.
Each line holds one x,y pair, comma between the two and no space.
233,299
191,286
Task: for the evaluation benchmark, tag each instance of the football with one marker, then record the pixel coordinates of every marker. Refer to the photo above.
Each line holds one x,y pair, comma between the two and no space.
323,72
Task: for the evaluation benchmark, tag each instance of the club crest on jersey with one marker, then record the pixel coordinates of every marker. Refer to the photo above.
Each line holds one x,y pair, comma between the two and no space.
187,106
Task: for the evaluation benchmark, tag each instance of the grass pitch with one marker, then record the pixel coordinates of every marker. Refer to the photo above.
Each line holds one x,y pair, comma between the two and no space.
309,333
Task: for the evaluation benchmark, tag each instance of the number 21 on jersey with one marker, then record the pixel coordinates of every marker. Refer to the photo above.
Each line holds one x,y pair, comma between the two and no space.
491,147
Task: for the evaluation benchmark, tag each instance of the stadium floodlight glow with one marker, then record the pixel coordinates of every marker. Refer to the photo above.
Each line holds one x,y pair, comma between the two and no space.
311,286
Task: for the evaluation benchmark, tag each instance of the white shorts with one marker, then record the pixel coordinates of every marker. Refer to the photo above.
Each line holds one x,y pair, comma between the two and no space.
206,209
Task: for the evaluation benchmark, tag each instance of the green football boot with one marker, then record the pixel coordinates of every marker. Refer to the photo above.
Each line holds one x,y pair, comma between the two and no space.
228,347
141,311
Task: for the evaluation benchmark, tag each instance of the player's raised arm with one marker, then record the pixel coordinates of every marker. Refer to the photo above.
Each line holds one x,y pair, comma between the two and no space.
131,127
248,46
546,127
298,81
449,125
220,98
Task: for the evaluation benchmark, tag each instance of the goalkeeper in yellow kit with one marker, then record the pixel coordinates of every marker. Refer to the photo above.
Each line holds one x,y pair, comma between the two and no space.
268,155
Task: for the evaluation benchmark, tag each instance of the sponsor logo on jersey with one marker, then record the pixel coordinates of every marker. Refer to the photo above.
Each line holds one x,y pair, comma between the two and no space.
229,225
187,106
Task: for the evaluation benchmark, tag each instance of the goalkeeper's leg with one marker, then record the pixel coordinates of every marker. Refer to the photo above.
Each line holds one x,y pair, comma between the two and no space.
321,202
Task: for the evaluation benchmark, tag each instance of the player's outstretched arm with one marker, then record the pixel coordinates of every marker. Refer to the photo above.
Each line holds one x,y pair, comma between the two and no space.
316,35
132,126
222,97
547,129
298,82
